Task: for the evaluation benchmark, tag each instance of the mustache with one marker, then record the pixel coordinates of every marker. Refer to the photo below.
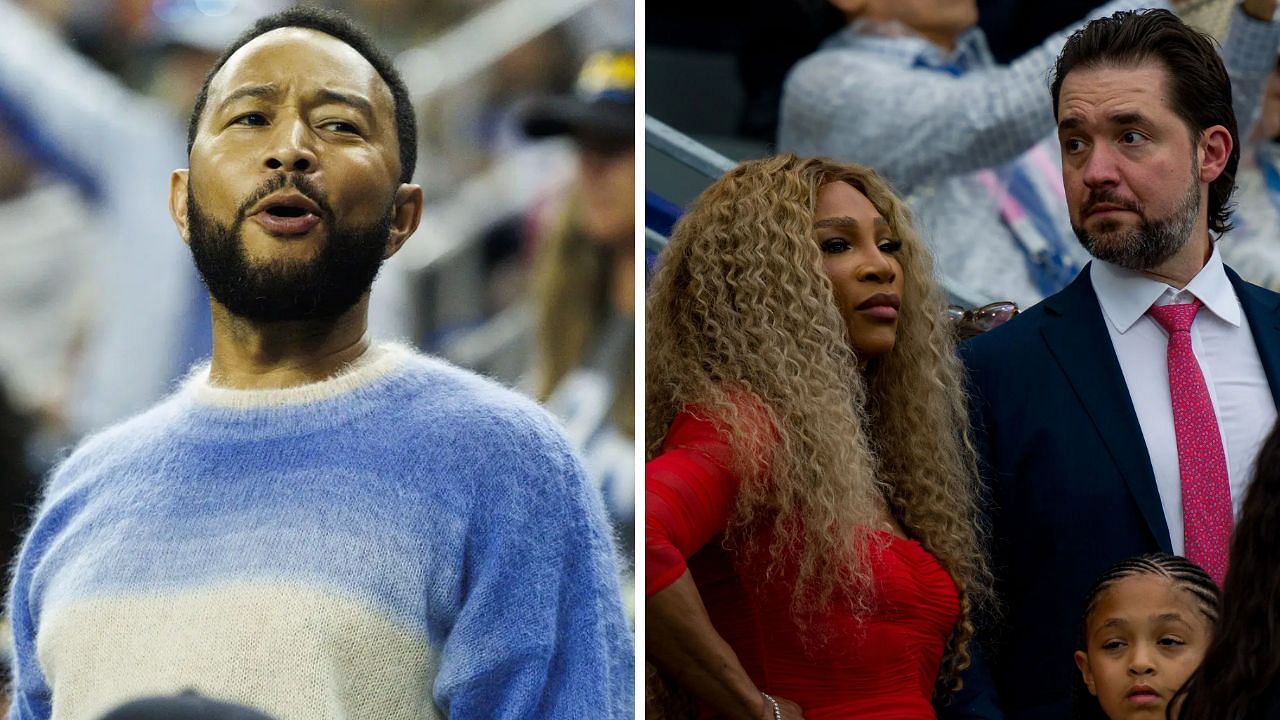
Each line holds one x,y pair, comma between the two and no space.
1110,197
276,183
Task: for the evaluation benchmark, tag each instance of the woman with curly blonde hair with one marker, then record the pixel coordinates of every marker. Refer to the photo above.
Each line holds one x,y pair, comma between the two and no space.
811,543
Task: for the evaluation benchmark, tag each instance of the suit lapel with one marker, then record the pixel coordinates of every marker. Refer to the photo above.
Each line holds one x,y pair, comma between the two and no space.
1262,308
1076,334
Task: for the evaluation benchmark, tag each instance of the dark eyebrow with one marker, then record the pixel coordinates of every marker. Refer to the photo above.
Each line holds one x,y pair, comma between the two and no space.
356,101
1128,118
845,221
1123,118
325,94
257,91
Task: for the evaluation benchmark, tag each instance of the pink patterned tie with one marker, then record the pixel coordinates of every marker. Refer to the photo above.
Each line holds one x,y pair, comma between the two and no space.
1202,465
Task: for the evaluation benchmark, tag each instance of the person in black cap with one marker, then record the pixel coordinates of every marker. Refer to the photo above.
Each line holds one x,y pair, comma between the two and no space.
583,279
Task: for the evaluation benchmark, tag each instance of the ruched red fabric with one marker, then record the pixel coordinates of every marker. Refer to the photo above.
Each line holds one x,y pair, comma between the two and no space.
882,667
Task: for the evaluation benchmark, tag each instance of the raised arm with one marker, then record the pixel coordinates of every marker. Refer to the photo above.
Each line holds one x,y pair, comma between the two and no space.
916,125
689,495
84,112
1249,54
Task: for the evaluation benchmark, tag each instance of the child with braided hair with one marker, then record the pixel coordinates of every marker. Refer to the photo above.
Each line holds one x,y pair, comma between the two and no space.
1146,625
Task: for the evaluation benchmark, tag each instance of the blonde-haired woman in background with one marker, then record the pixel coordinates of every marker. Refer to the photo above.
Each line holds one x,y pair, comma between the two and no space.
811,543
583,281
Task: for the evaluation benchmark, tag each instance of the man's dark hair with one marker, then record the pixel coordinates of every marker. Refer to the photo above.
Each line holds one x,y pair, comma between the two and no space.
341,27
1199,89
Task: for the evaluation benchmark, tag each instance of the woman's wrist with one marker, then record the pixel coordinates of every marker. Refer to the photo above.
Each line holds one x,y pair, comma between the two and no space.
771,710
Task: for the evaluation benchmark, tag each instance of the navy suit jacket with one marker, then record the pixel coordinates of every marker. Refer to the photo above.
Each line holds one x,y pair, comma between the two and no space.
1070,489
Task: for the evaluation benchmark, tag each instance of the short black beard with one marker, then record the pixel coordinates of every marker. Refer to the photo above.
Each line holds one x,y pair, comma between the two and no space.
322,288
1150,243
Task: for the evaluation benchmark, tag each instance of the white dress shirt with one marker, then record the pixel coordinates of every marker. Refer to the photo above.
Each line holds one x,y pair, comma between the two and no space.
1224,348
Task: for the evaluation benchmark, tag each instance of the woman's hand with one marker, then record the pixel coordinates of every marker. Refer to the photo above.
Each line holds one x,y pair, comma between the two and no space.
788,709
683,642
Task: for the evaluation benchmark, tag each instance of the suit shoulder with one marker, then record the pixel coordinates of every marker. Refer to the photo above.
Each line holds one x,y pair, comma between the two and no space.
1015,338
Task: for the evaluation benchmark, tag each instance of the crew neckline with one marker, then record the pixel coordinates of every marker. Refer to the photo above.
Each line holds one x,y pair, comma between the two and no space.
376,362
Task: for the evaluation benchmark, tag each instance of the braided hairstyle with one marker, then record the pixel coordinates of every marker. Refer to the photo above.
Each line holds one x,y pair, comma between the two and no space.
1180,572
1242,660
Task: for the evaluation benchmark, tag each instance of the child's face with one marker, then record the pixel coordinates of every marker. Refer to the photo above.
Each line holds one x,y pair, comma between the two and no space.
1144,640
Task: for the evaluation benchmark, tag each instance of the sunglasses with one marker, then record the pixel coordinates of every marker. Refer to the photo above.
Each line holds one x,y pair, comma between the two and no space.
968,323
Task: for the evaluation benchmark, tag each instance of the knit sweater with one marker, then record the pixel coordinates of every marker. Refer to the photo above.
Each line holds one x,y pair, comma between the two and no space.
404,540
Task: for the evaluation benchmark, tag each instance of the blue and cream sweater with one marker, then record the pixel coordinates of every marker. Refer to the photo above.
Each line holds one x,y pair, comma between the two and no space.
404,540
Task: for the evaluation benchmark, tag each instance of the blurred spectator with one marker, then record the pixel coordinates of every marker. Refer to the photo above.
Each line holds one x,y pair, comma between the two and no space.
46,237
584,278
917,95
1253,246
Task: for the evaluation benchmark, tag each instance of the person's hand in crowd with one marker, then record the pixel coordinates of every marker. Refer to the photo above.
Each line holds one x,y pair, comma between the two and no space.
1260,9
788,709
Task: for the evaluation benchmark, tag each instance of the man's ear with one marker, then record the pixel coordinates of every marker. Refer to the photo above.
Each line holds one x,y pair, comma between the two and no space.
1213,150
405,216
178,201
1082,662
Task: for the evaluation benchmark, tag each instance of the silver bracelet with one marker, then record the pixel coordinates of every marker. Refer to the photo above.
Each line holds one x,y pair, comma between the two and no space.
777,711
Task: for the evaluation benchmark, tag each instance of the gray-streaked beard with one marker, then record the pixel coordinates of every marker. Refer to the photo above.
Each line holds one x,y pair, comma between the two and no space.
1150,243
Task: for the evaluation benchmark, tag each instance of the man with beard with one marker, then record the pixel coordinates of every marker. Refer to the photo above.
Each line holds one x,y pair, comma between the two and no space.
1123,414
312,525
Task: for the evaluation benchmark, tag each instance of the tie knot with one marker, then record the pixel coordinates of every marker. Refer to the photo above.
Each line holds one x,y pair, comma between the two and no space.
1175,318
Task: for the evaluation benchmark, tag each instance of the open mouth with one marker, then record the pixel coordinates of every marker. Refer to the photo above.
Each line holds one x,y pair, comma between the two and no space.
285,220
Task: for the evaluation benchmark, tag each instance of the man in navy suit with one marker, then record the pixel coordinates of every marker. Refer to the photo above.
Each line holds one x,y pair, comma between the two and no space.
1088,443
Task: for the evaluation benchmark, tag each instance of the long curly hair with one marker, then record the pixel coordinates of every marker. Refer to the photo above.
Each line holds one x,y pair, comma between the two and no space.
741,308
1242,662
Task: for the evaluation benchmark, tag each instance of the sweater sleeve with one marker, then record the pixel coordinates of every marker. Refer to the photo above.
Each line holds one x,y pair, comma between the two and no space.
30,697
540,632
689,495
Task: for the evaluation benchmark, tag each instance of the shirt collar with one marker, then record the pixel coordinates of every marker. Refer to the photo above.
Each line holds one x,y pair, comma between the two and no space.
896,41
1126,295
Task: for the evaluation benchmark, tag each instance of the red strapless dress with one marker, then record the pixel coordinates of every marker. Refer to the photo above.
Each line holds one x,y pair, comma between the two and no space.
883,666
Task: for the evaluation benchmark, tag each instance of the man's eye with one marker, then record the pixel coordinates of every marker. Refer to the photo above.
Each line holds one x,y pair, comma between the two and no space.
342,126
1072,145
1132,138
254,119
832,246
